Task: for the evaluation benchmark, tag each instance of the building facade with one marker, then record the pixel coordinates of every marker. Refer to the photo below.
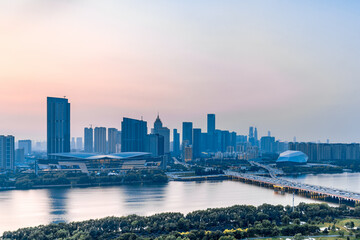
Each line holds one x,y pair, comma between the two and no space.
133,135
100,140
7,152
26,145
88,140
163,131
58,125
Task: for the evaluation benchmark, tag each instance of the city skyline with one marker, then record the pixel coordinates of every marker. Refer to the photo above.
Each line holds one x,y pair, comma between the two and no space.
287,67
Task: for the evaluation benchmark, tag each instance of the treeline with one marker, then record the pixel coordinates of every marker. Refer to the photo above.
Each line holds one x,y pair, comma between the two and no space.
236,222
27,181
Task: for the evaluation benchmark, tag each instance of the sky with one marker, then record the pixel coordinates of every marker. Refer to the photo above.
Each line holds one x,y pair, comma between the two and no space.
291,67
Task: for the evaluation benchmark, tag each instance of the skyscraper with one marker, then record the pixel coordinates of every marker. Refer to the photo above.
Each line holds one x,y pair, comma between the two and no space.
196,143
112,139
211,139
7,152
100,140
163,131
211,123
89,140
26,145
187,131
133,134
176,143
155,144
58,125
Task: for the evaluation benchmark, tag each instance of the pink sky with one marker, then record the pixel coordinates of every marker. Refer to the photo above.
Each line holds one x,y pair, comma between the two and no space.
293,71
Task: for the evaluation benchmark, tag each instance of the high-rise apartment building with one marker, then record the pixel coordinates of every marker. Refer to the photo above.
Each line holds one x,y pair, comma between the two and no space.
187,131
100,140
89,140
26,145
112,139
163,131
58,125
133,135
7,152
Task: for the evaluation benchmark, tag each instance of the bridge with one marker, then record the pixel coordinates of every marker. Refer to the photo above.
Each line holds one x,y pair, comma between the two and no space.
313,191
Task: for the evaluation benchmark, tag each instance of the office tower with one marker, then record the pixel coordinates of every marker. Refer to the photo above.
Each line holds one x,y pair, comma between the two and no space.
251,132
256,134
187,130
163,131
176,143
26,145
196,143
210,123
112,137
267,144
269,134
73,144
89,140
133,134
7,152
155,144
211,133
19,155
100,140
58,125
79,143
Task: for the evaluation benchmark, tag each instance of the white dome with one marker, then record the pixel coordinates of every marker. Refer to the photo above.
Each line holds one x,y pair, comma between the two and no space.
292,157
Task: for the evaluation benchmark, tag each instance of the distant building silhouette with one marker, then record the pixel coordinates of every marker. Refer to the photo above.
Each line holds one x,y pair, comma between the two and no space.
100,140
187,131
163,131
176,143
7,152
196,143
89,140
26,145
133,135
211,138
79,143
112,139
155,144
58,125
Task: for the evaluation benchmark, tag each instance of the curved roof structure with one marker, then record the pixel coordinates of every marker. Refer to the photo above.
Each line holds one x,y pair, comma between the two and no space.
96,156
292,157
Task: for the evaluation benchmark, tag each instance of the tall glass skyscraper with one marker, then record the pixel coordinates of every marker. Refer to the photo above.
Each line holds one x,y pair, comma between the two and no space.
187,131
133,135
58,125
211,123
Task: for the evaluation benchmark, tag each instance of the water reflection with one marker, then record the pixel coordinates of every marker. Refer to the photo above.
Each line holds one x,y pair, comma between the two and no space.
57,200
42,206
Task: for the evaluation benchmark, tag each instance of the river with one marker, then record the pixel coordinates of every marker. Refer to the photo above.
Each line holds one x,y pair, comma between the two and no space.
22,208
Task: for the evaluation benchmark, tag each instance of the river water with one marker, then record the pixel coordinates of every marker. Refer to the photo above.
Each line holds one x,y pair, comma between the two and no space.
22,208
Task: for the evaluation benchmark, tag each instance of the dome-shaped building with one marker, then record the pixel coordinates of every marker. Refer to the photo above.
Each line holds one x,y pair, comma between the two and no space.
292,158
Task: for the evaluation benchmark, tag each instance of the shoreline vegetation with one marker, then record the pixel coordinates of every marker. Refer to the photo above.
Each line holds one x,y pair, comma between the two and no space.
65,180
236,222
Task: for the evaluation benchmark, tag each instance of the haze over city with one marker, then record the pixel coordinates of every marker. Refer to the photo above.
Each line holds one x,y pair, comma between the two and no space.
282,66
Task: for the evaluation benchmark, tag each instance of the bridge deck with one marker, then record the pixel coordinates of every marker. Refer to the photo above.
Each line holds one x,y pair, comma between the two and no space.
281,182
